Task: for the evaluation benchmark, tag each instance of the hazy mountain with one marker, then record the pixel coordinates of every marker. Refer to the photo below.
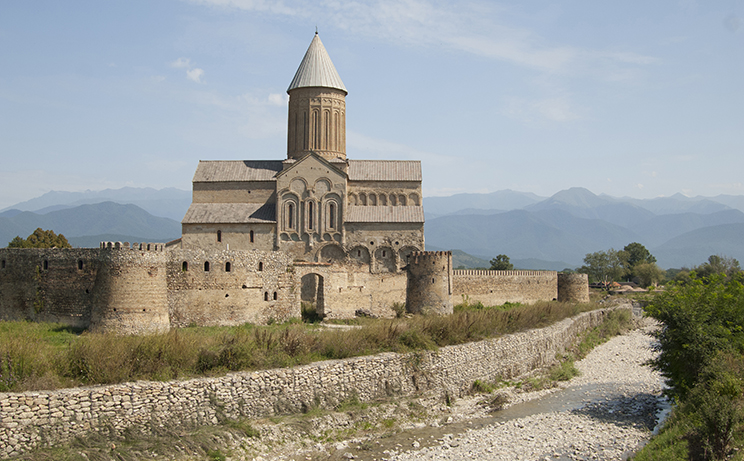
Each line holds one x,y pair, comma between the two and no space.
693,248
659,229
502,200
89,220
678,203
551,235
169,202
733,201
583,203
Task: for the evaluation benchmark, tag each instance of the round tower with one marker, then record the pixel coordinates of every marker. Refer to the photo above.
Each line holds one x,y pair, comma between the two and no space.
573,288
317,107
429,283
131,294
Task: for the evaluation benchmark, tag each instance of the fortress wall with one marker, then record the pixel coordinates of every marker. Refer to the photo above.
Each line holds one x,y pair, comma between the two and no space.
46,418
48,285
130,292
244,294
348,292
493,288
234,236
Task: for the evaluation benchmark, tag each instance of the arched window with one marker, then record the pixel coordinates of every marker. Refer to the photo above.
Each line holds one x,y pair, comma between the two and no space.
260,265
46,264
185,266
2,265
331,215
80,264
228,266
266,295
275,296
206,266
251,236
219,235
290,216
310,215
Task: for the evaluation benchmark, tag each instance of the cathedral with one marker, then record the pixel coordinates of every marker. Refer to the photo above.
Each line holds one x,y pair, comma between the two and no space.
317,205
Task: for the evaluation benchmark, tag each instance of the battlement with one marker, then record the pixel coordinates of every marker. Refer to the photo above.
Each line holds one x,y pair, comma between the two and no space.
135,246
492,273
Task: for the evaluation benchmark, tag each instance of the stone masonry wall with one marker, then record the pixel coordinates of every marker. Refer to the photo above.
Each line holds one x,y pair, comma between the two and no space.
493,288
48,285
33,419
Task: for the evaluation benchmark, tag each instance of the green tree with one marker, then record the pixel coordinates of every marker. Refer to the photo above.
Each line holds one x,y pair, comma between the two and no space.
648,274
701,320
718,264
40,239
633,255
501,263
603,266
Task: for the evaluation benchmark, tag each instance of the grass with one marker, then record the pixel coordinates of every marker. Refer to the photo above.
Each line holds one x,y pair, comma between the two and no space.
36,356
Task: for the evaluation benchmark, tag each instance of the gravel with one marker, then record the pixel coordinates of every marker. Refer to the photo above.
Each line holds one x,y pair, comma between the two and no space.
621,398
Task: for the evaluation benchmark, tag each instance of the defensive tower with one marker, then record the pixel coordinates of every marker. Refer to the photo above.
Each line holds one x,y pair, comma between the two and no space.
573,287
429,288
317,107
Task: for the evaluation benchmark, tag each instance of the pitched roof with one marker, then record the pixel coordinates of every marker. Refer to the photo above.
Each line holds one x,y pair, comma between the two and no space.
390,214
316,69
384,170
237,170
230,213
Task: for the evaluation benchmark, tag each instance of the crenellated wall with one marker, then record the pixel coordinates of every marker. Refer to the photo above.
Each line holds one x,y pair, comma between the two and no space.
493,288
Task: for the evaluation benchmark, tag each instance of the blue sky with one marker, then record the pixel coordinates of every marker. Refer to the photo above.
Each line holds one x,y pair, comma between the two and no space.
632,98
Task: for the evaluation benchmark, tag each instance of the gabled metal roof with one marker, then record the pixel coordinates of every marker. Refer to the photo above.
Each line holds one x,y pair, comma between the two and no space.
316,69
384,170
237,170
386,214
230,213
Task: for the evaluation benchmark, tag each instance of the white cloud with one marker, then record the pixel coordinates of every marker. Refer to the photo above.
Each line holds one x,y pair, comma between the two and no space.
195,75
474,27
181,63
278,99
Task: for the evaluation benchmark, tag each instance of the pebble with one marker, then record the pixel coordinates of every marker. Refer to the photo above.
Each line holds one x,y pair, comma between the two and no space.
611,426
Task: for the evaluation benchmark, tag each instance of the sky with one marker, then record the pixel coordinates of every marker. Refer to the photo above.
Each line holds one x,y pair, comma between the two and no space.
634,98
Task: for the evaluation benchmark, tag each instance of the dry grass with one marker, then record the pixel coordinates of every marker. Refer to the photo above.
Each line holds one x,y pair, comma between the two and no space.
44,356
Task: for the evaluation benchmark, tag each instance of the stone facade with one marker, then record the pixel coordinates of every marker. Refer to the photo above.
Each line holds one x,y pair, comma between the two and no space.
34,419
493,288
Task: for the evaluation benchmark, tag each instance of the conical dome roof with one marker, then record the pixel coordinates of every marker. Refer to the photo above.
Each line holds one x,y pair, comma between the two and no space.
316,69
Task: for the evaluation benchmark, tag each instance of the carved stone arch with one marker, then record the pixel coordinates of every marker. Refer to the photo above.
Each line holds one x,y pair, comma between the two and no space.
404,253
362,199
393,200
353,199
331,253
385,259
322,186
360,254
413,199
402,200
372,199
290,212
332,212
298,186
382,199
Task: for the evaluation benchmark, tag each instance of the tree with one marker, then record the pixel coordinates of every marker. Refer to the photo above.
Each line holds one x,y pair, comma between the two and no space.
633,255
40,239
603,266
648,274
501,263
718,264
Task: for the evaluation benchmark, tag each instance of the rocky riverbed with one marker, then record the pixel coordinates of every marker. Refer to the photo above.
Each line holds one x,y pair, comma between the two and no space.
605,413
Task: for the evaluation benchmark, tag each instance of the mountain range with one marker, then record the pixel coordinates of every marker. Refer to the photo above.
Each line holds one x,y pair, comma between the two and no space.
535,232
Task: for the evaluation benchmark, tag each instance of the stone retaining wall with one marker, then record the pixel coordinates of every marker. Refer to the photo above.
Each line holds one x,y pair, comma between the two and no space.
33,419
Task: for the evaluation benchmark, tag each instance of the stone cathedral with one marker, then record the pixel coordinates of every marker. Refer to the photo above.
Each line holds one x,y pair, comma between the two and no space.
317,205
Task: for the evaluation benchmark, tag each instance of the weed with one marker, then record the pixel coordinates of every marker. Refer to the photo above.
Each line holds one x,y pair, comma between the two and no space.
480,387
